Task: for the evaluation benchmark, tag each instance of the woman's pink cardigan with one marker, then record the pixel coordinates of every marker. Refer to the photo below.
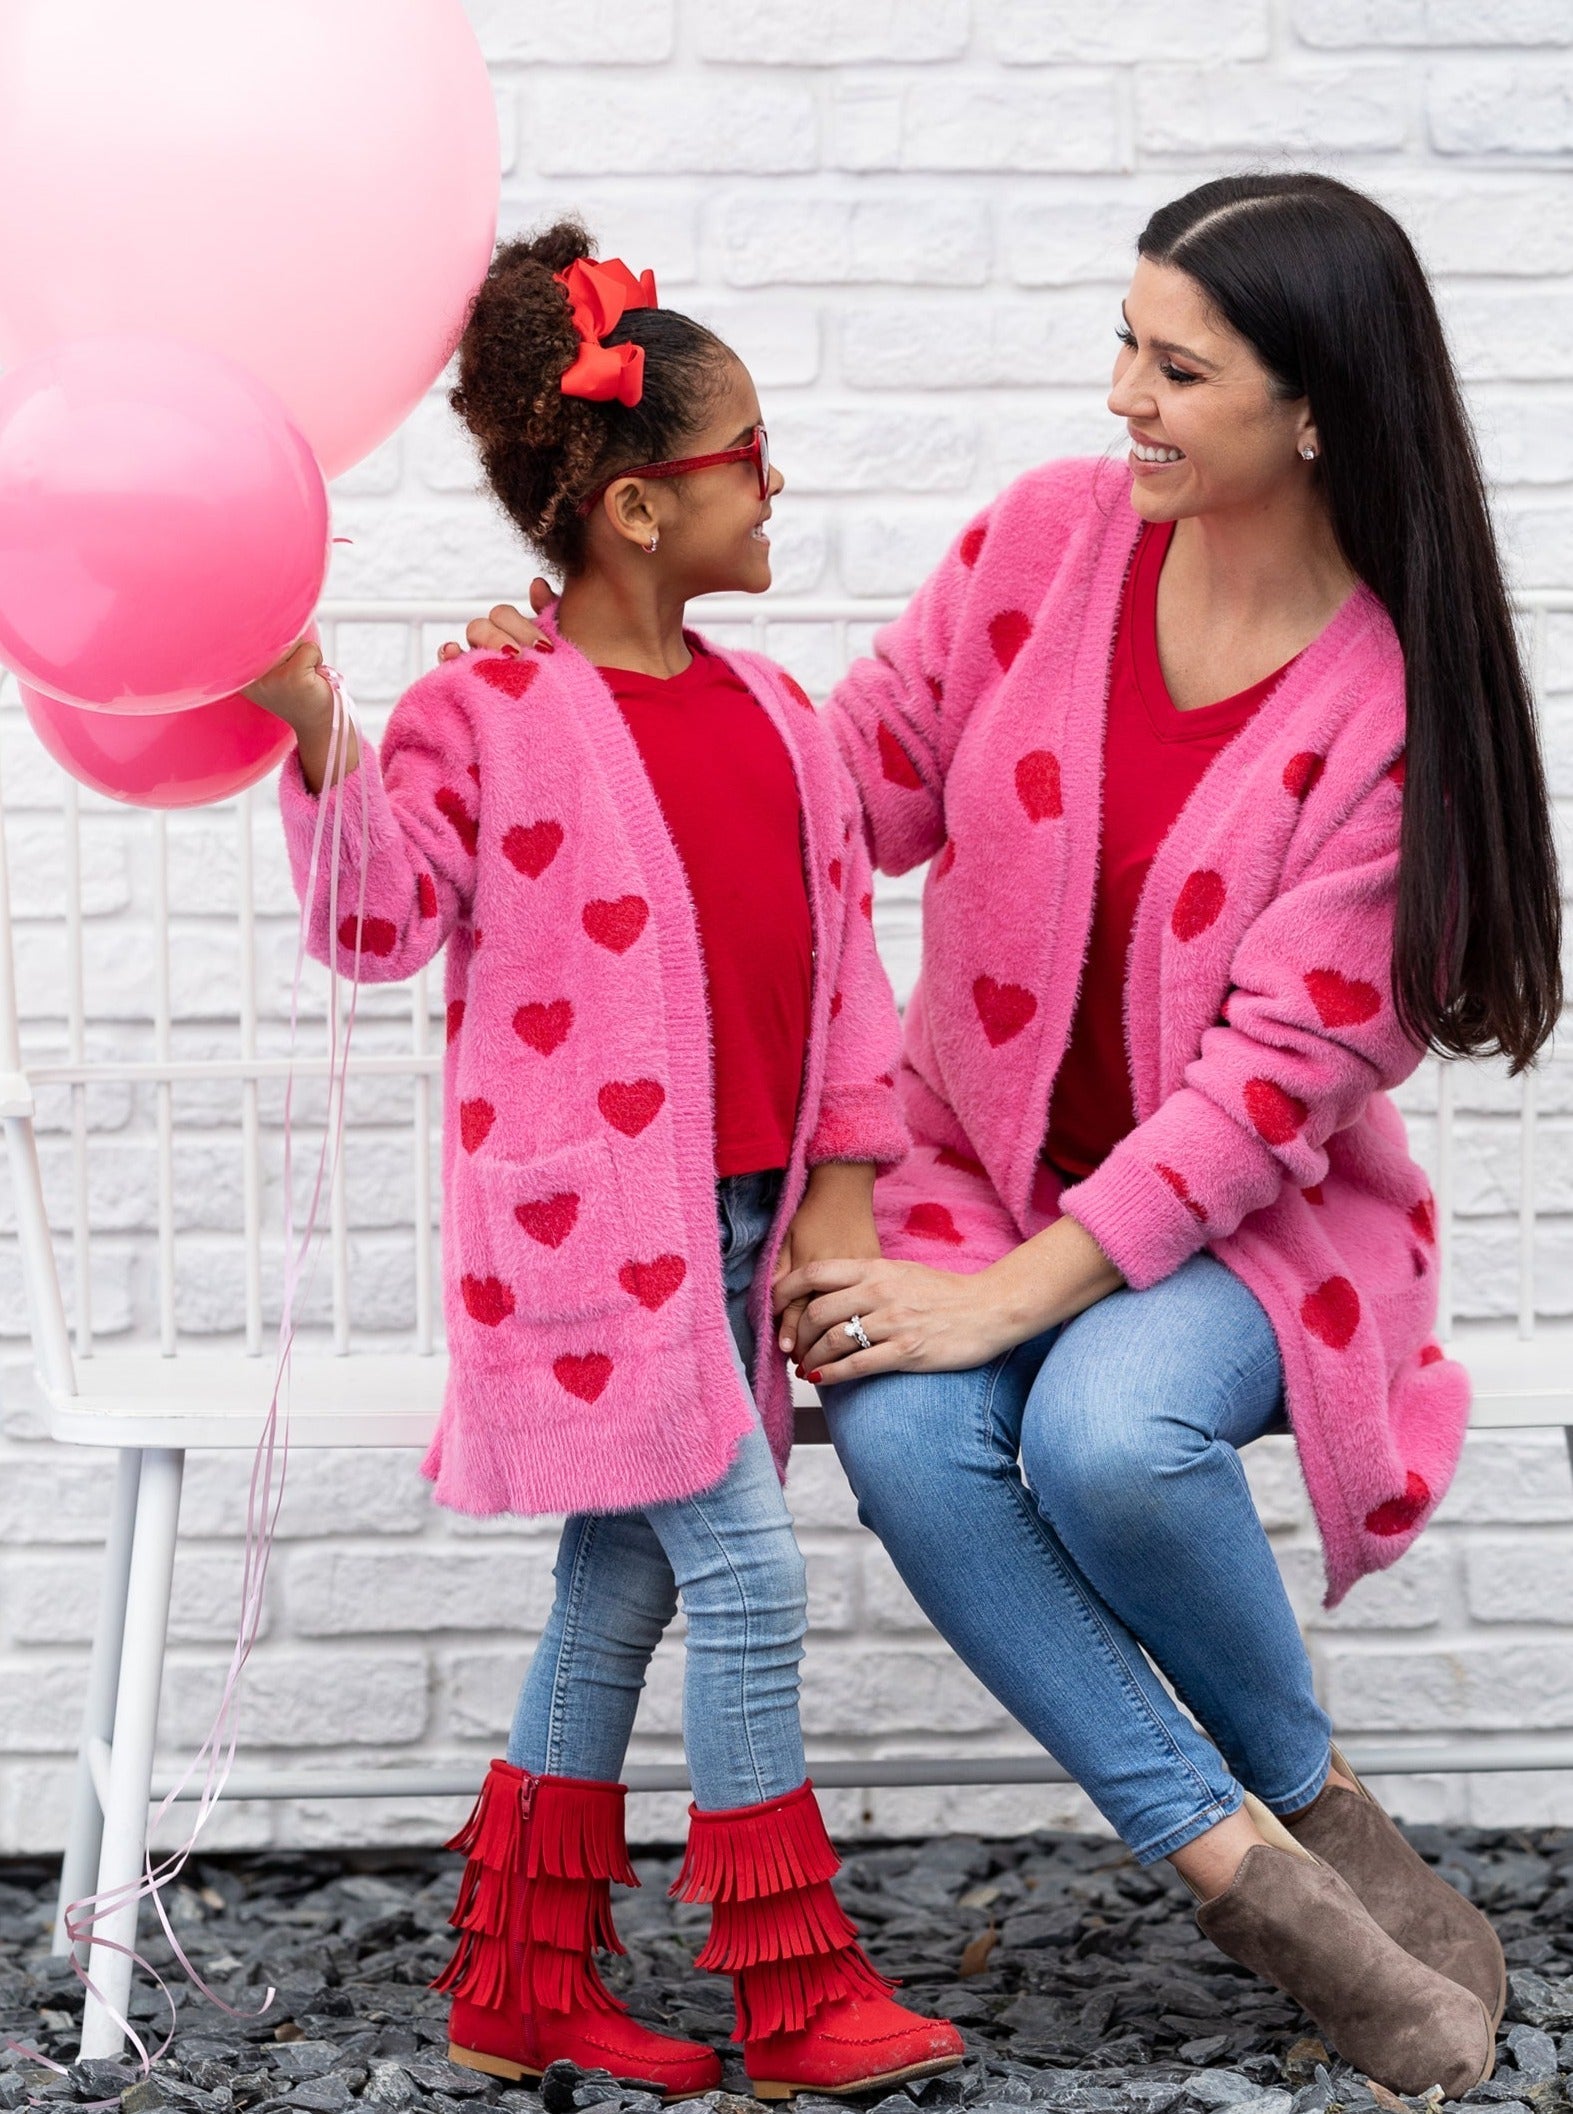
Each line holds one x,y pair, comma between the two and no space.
509,814
1259,1015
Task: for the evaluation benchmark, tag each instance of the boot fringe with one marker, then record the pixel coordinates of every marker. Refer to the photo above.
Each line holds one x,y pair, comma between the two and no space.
564,1981
776,1848
573,1915
576,1831
780,1926
781,1996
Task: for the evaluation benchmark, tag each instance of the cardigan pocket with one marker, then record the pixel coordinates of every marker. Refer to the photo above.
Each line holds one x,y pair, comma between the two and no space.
539,1241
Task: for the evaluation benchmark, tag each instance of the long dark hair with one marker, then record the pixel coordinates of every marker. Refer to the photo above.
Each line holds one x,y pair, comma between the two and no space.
1327,289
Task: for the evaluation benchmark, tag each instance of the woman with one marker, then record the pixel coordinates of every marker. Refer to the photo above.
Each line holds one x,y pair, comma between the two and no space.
1227,771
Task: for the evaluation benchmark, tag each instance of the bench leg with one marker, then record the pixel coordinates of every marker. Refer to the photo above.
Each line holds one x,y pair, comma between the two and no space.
85,1835
124,1850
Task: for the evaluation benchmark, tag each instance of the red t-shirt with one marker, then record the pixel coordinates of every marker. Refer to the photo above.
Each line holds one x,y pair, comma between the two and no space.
729,794
1154,757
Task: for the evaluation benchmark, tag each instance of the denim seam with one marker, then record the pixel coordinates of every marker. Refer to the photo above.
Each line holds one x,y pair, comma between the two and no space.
568,1648
743,1657
1188,1831
1304,1794
1028,1516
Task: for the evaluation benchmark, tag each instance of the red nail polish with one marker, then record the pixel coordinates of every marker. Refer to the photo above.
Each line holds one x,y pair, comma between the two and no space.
544,646
814,1379
511,651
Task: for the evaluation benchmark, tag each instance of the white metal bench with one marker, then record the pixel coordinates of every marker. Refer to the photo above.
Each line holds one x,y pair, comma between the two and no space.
155,1401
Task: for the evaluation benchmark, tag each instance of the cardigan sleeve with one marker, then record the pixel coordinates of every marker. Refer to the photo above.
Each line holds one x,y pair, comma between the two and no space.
1307,1034
886,714
408,819
859,1115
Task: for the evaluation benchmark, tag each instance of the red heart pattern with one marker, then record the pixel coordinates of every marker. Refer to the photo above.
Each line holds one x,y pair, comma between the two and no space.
512,677
1008,633
426,895
584,1376
544,1027
836,1003
1181,1188
1399,1514
932,1222
1038,785
455,1018
894,761
1302,771
1277,1115
962,1162
631,1105
946,859
834,871
1422,1217
377,936
1342,1001
1198,903
551,1219
1004,1009
1431,1354
653,1283
450,805
971,546
936,690
1313,1193
866,905
532,846
475,1122
796,692
1332,1312
617,924
1395,770
486,1300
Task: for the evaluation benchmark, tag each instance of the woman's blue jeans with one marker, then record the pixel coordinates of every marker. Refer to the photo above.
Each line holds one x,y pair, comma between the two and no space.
730,1556
1074,1515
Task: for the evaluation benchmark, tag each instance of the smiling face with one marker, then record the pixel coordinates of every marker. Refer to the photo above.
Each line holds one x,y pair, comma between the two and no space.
1209,428
709,524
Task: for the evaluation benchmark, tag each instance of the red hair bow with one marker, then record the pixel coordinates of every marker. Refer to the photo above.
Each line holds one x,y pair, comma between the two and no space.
599,296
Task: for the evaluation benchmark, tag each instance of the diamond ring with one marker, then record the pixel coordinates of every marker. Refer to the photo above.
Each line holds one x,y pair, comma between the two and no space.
858,1333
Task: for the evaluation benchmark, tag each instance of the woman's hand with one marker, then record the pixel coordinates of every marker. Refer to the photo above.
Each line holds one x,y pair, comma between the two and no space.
835,1218
297,692
505,629
920,1320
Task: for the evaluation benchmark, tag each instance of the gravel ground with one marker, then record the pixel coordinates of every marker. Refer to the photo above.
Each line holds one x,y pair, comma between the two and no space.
1080,1982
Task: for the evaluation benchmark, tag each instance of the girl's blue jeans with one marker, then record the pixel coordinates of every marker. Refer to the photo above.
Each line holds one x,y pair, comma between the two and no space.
729,1556
1075,1515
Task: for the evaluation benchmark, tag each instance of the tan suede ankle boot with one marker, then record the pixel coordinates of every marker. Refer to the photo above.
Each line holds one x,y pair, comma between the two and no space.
1414,1905
1293,1921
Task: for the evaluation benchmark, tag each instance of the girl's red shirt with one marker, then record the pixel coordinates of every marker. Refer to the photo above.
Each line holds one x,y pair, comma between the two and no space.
1154,757
725,785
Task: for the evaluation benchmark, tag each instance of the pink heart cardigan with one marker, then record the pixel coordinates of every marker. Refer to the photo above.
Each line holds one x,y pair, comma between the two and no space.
590,1364
1259,1020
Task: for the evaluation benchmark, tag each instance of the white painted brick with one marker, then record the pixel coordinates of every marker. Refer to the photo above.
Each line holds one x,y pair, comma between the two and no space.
1134,32
1502,226
1522,109
817,1490
1272,1468
1416,1594
311,1699
891,551
866,450
1259,110
716,127
41,1698
887,1605
359,1592
590,33
1078,231
480,1690
1477,1686
472,552
1508,333
1059,337
1526,435
1047,425
1528,1578
1065,120
53,1600
1431,22
655,225
327,1491
442,451
777,343
927,238
1524,1798
833,1582
829,33
893,1691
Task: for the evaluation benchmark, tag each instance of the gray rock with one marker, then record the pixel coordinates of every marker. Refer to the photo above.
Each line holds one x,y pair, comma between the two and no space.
437,2074
328,2094
388,2087
1534,2051
1537,2000
301,2059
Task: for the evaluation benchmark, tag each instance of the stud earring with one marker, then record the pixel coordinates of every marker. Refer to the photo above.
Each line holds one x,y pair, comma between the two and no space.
655,537
1309,454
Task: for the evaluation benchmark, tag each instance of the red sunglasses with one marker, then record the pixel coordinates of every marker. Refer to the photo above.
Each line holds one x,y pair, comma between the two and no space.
755,450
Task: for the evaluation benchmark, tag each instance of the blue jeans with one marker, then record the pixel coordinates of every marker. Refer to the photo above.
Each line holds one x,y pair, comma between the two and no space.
1075,1514
730,1556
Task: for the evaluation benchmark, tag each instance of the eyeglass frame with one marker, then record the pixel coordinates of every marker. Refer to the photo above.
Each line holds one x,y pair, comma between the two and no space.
755,450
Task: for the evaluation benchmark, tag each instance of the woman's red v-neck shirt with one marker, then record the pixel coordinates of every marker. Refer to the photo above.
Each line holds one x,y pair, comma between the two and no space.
1154,757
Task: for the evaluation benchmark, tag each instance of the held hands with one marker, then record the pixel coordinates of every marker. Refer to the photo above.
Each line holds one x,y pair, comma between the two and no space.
504,628
835,1218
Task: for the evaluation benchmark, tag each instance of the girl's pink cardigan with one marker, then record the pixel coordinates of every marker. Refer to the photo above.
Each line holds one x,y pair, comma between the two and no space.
509,814
1259,1016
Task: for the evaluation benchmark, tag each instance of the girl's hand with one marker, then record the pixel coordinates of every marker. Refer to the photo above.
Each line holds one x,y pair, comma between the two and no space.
295,690
835,1218
917,1319
505,628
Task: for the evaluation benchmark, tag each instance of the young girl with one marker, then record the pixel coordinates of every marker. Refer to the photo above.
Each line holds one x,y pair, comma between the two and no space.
666,1018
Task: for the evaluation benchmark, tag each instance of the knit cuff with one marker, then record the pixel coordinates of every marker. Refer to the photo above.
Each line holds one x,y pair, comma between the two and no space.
859,1123
1144,1224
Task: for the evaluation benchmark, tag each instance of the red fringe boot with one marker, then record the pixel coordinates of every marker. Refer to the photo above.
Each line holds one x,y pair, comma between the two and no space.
812,2012
534,1904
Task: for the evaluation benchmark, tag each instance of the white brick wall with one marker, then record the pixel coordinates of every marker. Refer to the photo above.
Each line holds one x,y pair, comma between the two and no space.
913,217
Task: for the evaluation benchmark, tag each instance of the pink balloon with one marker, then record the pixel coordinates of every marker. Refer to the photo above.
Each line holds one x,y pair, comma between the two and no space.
163,526
309,186
162,759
